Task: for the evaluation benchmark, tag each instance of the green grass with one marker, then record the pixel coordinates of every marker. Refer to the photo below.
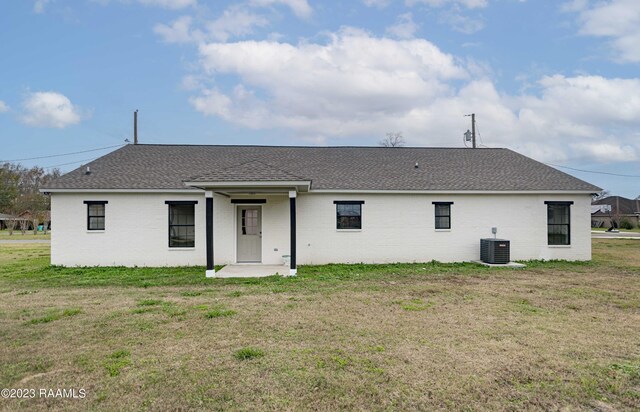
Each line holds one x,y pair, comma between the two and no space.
17,235
55,314
219,313
116,361
429,336
248,353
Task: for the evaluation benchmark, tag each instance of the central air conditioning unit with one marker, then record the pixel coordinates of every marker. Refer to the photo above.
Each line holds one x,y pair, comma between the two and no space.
494,251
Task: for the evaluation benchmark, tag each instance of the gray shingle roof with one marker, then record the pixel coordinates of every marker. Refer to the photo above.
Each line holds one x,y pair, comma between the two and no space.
252,171
342,168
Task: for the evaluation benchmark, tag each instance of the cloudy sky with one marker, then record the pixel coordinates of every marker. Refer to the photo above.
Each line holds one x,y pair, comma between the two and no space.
555,80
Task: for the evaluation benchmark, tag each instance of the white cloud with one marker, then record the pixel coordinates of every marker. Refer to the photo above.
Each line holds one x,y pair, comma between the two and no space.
179,31
381,4
616,20
3,107
462,23
166,4
39,5
470,4
359,86
300,8
169,4
404,28
49,109
235,21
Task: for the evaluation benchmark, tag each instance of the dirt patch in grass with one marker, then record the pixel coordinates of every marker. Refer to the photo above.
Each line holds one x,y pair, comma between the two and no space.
555,336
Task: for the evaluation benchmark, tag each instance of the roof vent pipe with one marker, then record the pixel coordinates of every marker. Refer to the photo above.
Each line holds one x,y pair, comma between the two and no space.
87,171
416,166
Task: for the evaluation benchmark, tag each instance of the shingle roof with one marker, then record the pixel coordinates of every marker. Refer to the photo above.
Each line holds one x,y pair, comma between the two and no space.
339,168
252,171
627,206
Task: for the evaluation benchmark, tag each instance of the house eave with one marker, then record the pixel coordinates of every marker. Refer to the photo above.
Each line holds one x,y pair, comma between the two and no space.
460,192
98,190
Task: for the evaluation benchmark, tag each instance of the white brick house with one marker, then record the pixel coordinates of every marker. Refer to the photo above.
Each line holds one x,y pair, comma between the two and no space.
166,205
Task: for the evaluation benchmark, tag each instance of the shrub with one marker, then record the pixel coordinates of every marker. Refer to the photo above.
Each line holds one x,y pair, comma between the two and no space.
625,224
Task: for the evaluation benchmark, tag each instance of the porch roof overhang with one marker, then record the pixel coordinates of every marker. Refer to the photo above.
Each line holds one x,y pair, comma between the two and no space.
255,186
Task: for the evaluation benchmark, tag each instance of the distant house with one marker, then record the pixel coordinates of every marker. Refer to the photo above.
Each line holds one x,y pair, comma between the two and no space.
170,205
614,209
4,217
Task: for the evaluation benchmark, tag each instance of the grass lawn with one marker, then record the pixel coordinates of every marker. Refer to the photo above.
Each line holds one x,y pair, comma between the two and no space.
17,235
554,336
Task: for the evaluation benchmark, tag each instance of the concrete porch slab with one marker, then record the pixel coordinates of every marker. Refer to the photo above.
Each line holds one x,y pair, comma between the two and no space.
252,271
506,265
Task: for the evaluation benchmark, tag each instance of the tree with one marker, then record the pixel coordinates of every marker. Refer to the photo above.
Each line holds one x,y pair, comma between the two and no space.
20,192
9,181
393,139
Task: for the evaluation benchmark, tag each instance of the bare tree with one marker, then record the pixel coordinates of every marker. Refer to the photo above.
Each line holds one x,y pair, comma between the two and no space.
35,221
24,224
11,225
393,139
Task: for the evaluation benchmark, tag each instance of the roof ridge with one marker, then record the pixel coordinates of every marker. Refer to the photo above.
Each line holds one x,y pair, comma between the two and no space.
317,147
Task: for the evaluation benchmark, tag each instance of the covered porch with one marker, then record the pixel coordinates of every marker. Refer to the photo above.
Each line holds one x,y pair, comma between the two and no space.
260,202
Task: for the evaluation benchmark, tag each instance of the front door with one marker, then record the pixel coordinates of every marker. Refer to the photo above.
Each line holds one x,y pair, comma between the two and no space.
249,234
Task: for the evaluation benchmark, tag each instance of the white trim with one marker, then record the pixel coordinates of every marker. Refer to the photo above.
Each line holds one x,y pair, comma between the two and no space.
194,190
293,272
274,183
559,246
198,190
458,192
210,273
292,193
96,231
442,230
208,193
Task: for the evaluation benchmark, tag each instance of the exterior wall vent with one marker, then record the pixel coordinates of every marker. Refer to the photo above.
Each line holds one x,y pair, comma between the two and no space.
495,251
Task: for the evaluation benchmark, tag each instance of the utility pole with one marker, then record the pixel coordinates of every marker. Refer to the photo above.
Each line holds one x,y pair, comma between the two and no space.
473,129
135,127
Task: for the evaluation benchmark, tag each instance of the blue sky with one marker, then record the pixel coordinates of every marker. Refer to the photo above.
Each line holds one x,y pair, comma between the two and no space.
557,81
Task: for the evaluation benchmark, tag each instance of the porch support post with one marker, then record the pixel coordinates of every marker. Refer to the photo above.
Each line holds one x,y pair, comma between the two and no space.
293,271
209,233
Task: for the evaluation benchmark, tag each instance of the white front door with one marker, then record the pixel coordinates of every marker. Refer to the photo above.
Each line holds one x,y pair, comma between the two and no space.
249,234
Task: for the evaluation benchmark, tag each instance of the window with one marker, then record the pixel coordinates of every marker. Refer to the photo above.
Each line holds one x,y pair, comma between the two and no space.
249,221
182,223
443,215
558,223
348,214
95,214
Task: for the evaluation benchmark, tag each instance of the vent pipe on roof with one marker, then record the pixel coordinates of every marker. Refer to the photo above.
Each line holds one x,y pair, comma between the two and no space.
87,171
135,127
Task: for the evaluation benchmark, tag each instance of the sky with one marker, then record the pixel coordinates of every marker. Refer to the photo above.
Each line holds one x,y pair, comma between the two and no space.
557,81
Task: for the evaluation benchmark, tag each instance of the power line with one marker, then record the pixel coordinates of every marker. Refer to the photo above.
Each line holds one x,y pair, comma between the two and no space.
592,171
69,163
63,154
